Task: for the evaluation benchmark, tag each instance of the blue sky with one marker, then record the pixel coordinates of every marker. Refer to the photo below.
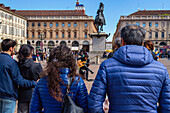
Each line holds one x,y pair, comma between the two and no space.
113,8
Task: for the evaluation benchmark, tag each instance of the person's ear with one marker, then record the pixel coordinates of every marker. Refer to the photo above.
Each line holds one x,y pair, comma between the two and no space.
11,49
123,42
142,44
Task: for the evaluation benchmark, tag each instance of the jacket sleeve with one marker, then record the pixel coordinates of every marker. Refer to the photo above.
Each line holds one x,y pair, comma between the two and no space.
37,69
17,77
81,97
98,91
164,99
36,106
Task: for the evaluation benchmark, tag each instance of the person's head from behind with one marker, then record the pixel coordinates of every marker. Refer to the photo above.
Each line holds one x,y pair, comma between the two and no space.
26,51
8,45
149,45
60,57
133,35
118,42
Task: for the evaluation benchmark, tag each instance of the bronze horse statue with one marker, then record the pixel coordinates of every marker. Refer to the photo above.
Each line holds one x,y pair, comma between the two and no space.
100,20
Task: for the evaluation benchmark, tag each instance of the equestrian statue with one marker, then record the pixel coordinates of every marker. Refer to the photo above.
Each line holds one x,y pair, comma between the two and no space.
100,20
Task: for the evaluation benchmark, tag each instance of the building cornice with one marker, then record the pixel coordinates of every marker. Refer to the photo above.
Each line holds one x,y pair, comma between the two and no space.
12,13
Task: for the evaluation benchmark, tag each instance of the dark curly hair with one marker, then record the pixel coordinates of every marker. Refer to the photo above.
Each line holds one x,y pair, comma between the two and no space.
60,57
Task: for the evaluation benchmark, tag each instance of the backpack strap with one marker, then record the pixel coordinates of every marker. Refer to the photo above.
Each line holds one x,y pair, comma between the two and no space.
69,84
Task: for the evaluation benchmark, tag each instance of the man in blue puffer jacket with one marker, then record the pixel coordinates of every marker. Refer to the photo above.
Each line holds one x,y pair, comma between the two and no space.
134,82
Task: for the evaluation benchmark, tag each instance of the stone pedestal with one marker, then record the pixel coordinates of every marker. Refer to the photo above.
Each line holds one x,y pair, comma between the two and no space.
99,42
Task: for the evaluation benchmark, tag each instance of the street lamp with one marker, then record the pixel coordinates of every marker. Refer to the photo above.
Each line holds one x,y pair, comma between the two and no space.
41,43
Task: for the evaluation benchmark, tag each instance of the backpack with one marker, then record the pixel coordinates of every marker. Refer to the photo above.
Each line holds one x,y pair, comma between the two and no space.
68,104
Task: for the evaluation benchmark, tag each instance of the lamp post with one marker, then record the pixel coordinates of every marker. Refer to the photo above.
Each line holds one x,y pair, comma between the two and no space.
41,43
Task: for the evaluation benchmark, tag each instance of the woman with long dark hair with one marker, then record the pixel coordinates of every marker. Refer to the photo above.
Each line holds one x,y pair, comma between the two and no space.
30,71
150,46
51,88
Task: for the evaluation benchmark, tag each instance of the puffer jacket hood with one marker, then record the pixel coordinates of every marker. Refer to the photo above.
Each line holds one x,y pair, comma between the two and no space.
133,55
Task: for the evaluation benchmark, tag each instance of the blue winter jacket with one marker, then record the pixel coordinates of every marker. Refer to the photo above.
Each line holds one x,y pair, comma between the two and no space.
43,101
134,82
10,78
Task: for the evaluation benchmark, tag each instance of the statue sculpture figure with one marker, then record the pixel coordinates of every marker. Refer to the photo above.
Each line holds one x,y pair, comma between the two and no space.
100,20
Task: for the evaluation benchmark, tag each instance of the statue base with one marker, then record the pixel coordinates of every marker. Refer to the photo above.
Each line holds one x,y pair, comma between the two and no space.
99,42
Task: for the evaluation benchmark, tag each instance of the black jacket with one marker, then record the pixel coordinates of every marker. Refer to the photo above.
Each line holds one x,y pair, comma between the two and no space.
30,71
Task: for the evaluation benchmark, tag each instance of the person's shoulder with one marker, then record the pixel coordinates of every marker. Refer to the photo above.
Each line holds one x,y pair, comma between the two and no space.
157,64
36,65
42,80
109,62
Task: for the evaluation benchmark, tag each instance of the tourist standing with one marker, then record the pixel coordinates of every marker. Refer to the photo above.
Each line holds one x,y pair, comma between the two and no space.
30,70
150,46
133,80
10,78
51,89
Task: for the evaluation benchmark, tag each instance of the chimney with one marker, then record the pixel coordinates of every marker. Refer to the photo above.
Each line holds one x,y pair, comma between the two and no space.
7,8
2,5
13,10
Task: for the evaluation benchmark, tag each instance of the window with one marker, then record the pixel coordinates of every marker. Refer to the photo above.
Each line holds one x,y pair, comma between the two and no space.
51,34
156,34
75,34
163,24
85,24
45,24
44,34
51,24
32,24
85,34
56,24
156,24
27,24
27,35
162,34
63,24
32,34
39,35
39,24
69,24
62,34
56,34
150,34
75,24
144,24
137,23
69,35
150,24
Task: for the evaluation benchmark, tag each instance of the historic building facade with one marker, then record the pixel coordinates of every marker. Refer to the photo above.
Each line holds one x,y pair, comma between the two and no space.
156,23
49,28
12,26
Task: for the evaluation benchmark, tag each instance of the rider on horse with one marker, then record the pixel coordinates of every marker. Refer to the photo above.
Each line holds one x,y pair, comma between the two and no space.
100,19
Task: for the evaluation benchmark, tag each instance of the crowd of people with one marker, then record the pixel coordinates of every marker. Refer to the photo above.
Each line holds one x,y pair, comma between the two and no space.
131,78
